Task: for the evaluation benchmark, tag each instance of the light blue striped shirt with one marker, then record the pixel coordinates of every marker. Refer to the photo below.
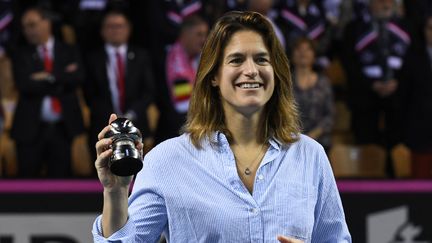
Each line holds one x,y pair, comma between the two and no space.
196,195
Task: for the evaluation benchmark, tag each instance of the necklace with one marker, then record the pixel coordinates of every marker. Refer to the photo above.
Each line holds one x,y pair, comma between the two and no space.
247,171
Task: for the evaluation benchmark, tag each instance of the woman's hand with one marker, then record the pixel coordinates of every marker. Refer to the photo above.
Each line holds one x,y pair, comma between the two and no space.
283,239
110,182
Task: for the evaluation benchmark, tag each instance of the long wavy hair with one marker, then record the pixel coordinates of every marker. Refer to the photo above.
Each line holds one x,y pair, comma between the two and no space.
206,115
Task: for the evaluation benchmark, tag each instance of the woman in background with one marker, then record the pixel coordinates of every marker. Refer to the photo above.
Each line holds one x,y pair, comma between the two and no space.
313,94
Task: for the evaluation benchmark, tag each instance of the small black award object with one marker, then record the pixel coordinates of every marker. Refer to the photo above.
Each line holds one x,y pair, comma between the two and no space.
126,159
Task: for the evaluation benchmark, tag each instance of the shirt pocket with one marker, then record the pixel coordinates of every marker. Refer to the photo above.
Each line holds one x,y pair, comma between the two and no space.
295,204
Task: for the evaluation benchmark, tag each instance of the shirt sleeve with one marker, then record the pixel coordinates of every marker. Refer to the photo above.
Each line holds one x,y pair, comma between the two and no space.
125,234
147,211
330,225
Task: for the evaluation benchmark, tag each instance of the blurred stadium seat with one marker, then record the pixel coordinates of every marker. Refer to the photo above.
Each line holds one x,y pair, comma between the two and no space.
366,161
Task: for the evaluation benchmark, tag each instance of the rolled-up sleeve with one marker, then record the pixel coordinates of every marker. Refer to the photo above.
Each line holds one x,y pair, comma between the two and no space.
125,235
147,211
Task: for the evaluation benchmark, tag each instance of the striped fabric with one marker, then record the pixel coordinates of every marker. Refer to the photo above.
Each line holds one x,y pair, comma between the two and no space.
316,31
183,10
180,71
366,40
399,32
5,19
193,195
295,20
182,90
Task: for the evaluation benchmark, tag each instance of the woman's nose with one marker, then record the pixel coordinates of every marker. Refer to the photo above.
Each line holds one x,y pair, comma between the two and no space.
250,69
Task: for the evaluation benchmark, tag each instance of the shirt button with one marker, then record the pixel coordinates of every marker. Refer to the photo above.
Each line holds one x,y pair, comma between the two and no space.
254,210
260,177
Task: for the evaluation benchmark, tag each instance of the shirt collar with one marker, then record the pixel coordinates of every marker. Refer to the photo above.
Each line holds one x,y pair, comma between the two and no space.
111,50
221,140
49,45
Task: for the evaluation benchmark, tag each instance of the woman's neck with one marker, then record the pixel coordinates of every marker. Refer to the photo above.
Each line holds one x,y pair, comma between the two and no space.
303,70
305,77
244,129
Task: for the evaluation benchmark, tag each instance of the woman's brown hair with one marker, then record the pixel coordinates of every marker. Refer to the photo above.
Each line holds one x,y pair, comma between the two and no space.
206,116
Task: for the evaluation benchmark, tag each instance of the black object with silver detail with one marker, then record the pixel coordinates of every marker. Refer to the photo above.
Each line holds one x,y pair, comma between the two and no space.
125,159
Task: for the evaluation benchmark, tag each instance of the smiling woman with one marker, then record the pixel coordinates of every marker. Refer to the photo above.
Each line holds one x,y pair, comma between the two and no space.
241,172
220,57
245,77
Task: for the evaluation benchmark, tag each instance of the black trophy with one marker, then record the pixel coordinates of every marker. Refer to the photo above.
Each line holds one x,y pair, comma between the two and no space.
125,159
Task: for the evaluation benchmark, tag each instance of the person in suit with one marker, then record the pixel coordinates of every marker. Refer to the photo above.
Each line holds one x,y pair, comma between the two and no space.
179,74
119,79
48,116
305,18
374,53
416,103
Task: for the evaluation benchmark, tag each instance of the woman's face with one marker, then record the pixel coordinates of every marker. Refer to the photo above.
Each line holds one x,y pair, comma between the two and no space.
245,77
303,55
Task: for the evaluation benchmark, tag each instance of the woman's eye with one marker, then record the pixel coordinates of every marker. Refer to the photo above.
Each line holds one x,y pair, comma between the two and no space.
235,61
262,60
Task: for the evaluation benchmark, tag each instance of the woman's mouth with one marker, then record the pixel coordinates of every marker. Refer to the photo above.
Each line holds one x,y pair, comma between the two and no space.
249,85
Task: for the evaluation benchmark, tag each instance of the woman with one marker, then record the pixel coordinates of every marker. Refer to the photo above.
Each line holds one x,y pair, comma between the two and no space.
241,172
313,94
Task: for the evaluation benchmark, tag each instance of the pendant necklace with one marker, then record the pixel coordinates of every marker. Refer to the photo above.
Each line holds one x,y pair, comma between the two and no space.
247,171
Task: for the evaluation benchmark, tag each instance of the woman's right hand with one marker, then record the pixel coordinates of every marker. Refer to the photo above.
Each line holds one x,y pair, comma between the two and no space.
110,182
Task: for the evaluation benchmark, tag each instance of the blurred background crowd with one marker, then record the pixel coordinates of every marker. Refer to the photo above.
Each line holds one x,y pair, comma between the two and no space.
362,73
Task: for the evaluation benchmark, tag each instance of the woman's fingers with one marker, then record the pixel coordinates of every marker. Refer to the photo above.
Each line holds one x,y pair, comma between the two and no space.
103,145
283,239
102,160
112,118
101,134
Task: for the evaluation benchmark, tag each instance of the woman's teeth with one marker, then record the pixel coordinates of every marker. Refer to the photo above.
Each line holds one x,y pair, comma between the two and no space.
249,85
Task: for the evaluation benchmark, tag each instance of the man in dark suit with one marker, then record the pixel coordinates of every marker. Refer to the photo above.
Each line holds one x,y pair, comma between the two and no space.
119,79
374,53
48,116
416,103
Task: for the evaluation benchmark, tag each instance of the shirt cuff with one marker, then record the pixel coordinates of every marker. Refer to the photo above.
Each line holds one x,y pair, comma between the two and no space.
126,234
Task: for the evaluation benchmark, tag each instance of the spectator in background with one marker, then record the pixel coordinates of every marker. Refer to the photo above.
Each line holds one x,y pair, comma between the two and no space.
6,26
332,10
416,11
86,16
182,61
47,74
6,17
264,7
416,100
181,65
360,10
169,16
373,57
313,94
119,79
305,18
